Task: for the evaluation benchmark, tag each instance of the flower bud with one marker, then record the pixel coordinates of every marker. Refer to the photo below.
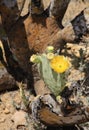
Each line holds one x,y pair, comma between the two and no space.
50,56
59,99
50,49
34,58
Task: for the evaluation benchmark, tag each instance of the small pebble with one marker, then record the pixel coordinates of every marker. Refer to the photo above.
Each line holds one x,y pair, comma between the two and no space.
6,111
2,120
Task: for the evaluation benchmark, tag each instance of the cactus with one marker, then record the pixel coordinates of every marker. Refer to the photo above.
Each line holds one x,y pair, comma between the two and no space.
54,81
52,69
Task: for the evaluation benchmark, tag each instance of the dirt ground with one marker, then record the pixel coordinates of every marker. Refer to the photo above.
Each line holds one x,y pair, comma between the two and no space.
7,109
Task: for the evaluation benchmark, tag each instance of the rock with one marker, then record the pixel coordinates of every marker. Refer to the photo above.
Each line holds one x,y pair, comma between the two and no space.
27,5
75,49
25,9
19,118
46,3
2,119
6,111
74,8
40,88
7,82
10,3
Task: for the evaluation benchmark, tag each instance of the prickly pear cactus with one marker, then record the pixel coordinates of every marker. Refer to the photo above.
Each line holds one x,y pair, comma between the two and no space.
53,80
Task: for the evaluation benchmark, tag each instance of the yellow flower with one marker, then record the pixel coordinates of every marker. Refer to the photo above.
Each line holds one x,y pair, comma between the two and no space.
50,56
60,64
